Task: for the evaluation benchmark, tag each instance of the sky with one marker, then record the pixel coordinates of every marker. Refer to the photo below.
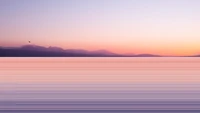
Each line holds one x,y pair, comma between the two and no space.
165,27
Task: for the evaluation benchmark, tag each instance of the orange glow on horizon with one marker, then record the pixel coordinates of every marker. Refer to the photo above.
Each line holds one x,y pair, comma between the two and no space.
184,50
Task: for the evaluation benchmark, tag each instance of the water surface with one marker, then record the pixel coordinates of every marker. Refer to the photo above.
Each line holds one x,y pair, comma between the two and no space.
100,85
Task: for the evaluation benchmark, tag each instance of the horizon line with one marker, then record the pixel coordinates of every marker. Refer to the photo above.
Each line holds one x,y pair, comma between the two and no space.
124,55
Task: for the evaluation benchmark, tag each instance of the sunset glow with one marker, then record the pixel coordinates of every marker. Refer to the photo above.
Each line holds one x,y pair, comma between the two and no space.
164,27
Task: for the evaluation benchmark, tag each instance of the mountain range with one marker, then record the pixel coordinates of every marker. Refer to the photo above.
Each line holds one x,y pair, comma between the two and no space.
40,51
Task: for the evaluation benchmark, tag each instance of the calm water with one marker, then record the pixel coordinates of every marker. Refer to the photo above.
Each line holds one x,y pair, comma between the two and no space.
100,85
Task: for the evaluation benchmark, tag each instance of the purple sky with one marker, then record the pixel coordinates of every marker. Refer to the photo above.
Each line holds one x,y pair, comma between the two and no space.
167,27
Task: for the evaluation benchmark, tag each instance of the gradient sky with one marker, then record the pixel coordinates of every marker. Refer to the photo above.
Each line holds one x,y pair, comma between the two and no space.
166,27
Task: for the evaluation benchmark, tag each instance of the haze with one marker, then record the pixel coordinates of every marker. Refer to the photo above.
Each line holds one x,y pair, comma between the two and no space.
165,27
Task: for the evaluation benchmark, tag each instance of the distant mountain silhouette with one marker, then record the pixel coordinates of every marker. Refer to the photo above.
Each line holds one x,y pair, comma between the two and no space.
40,51
34,47
77,51
105,52
147,55
193,56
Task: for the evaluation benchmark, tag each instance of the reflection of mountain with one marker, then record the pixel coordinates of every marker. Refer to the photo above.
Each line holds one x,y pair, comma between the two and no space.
40,51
